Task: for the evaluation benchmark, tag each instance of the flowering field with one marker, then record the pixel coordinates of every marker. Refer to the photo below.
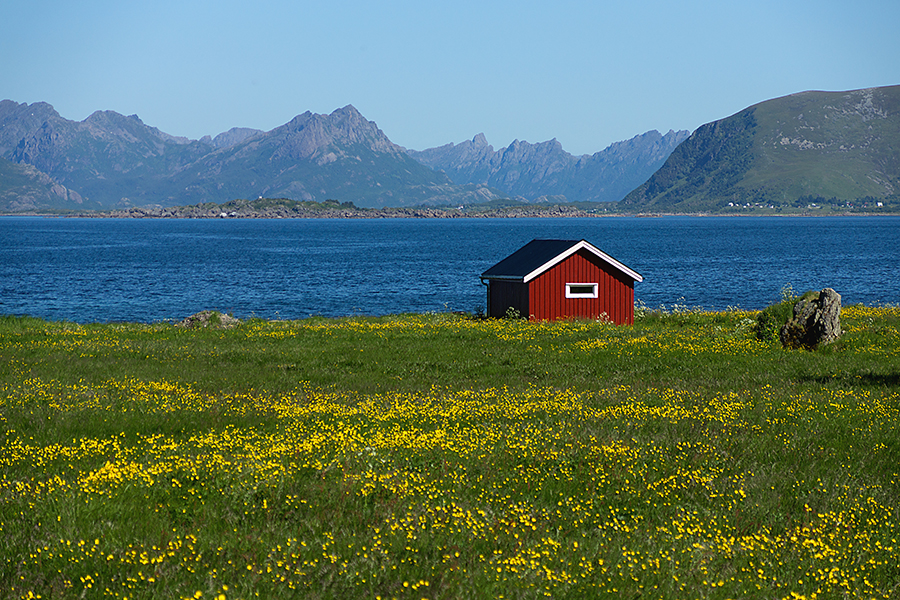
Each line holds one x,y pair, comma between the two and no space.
433,456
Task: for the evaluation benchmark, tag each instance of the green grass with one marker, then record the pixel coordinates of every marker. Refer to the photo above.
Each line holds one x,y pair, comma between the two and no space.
438,456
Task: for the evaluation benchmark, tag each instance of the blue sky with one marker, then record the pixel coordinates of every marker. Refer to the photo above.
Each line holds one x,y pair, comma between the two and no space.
588,73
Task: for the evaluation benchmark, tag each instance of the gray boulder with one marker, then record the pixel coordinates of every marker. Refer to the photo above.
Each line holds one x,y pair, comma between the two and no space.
817,320
208,318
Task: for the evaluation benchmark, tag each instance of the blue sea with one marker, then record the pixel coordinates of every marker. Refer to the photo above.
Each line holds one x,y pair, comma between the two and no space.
102,270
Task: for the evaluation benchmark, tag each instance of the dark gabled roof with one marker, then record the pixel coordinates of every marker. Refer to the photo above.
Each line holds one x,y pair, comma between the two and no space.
537,256
527,258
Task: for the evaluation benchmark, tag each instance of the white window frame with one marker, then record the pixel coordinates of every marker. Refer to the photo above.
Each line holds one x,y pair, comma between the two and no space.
571,294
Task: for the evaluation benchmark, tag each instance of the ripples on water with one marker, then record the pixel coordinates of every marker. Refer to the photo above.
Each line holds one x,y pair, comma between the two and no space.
88,270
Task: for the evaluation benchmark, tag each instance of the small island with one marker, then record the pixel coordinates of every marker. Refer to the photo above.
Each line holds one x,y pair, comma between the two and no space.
548,207
284,208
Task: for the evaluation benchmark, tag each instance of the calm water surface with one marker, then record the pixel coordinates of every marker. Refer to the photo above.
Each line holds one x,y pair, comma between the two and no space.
88,270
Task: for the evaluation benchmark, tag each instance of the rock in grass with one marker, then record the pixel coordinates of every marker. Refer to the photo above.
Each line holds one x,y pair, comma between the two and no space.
817,320
208,318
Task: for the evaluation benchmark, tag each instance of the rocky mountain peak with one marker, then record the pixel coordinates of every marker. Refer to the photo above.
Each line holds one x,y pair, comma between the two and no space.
550,148
229,138
38,111
107,117
18,121
310,135
110,124
348,112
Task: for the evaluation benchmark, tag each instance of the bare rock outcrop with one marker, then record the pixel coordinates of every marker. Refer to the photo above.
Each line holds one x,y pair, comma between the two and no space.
816,321
209,318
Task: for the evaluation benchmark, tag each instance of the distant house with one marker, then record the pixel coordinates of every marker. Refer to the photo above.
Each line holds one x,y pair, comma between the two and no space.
547,280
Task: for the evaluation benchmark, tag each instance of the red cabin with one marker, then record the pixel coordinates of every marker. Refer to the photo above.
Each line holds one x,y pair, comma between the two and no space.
547,280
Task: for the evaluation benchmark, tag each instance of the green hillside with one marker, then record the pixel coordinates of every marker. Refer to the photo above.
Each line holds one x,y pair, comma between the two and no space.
808,148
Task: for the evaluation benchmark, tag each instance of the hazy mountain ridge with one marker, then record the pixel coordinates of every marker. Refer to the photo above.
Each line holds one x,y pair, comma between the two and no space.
113,160
106,158
789,151
315,157
545,169
233,136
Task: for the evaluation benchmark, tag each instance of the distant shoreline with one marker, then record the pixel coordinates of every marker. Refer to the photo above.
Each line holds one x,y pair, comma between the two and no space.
471,216
464,216
552,212
285,208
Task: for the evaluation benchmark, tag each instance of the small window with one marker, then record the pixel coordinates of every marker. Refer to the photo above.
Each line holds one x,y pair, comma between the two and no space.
581,290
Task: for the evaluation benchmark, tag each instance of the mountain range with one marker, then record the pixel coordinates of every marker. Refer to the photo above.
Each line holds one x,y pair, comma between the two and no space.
110,160
807,148
801,150
533,171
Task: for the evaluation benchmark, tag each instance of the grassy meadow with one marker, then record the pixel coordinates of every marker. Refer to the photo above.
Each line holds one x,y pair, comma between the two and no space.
437,456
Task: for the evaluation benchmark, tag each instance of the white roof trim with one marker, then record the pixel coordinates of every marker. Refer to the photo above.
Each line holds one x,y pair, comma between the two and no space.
575,248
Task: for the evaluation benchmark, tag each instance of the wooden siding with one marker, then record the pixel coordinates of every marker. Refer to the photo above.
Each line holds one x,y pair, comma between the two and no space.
507,294
547,292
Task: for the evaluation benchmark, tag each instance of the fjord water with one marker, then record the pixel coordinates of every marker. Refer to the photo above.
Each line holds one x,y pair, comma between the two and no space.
100,270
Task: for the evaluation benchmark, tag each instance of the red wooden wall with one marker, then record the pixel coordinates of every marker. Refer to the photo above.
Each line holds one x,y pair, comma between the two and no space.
547,291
